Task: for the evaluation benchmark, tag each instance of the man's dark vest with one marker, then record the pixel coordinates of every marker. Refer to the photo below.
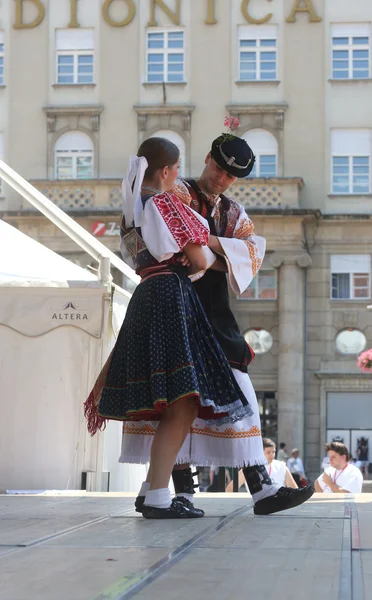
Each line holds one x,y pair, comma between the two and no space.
213,293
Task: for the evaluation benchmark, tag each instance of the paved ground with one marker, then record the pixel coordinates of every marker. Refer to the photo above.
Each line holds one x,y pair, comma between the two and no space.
95,547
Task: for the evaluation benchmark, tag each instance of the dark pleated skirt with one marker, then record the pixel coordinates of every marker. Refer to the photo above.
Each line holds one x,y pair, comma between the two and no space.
166,351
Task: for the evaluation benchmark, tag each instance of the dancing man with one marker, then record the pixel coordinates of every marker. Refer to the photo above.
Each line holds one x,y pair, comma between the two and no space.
240,253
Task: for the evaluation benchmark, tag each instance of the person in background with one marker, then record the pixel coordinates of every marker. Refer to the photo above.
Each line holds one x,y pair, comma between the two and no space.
277,469
341,477
362,457
282,452
296,467
325,462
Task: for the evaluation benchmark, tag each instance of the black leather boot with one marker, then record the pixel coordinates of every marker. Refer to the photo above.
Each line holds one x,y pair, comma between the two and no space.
183,481
255,477
283,499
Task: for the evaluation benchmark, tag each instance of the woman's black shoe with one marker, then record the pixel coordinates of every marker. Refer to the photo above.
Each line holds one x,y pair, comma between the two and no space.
140,501
177,510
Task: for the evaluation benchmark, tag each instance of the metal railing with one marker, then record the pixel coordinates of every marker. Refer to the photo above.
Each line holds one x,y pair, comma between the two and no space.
73,230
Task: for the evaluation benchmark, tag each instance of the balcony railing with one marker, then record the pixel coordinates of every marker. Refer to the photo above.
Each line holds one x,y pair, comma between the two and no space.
95,194
267,193
82,194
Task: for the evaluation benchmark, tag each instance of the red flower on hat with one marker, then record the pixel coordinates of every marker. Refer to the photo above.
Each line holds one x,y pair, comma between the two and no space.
231,122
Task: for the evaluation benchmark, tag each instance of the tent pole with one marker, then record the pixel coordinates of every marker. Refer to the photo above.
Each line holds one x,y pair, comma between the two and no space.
57,216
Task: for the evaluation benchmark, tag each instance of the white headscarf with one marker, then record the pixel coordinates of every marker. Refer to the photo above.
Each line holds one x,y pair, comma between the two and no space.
132,202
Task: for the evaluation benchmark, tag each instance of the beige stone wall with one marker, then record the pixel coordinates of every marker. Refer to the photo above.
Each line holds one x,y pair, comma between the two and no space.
315,105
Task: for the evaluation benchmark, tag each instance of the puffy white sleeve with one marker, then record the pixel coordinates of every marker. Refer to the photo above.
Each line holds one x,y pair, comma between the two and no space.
244,253
169,225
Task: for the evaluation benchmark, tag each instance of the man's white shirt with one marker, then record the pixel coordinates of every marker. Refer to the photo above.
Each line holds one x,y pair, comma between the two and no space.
277,471
295,465
350,479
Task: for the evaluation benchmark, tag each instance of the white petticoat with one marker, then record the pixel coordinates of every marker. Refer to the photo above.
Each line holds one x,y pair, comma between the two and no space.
229,445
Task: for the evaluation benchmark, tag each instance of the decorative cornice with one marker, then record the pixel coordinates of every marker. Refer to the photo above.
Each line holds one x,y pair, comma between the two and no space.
181,111
164,109
78,109
254,108
342,375
89,110
275,181
302,259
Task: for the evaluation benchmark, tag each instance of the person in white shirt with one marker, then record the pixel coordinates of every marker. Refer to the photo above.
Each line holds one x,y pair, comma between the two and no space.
341,477
296,467
277,469
282,452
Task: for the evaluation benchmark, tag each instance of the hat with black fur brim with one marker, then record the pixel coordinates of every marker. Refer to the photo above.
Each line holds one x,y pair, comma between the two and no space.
233,154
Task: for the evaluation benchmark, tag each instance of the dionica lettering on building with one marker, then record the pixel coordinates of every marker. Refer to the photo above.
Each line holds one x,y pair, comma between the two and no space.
174,12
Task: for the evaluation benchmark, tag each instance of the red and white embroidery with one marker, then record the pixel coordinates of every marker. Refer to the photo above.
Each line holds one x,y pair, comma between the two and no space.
184,226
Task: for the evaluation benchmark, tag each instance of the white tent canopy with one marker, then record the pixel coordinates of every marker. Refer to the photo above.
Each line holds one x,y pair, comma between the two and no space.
56,330
26,262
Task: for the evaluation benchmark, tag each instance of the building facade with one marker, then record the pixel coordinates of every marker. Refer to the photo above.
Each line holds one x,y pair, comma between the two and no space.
83,82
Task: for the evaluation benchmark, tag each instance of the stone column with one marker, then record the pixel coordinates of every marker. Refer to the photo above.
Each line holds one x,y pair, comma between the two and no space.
291,317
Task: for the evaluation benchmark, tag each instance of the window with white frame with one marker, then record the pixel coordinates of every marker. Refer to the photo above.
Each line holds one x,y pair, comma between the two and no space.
74,56
165,56
350,276
257,53
265,149
351,51
1,158
174,137
263,286
351,161
1,58
73,156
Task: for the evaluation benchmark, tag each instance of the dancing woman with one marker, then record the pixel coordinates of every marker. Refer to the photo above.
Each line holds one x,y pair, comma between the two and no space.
166,364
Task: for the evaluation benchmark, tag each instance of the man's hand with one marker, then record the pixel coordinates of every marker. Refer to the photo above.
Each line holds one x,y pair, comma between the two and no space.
215,245
327,479
183,260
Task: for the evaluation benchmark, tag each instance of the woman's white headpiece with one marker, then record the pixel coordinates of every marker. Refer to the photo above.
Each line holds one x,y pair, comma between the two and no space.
132,202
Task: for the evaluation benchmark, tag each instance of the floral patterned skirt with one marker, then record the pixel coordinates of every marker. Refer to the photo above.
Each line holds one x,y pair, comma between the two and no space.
166,351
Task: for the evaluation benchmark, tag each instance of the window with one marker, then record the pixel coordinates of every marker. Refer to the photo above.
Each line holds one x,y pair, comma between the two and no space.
74,156
1,158
74,56
1,58
350,276
351,161
174,137
351,51
257,53
165,57
263,286
265,148
260,340
350,341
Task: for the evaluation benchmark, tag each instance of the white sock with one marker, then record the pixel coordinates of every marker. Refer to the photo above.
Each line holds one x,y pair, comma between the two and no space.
189,497
144,488
158,498
267,490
